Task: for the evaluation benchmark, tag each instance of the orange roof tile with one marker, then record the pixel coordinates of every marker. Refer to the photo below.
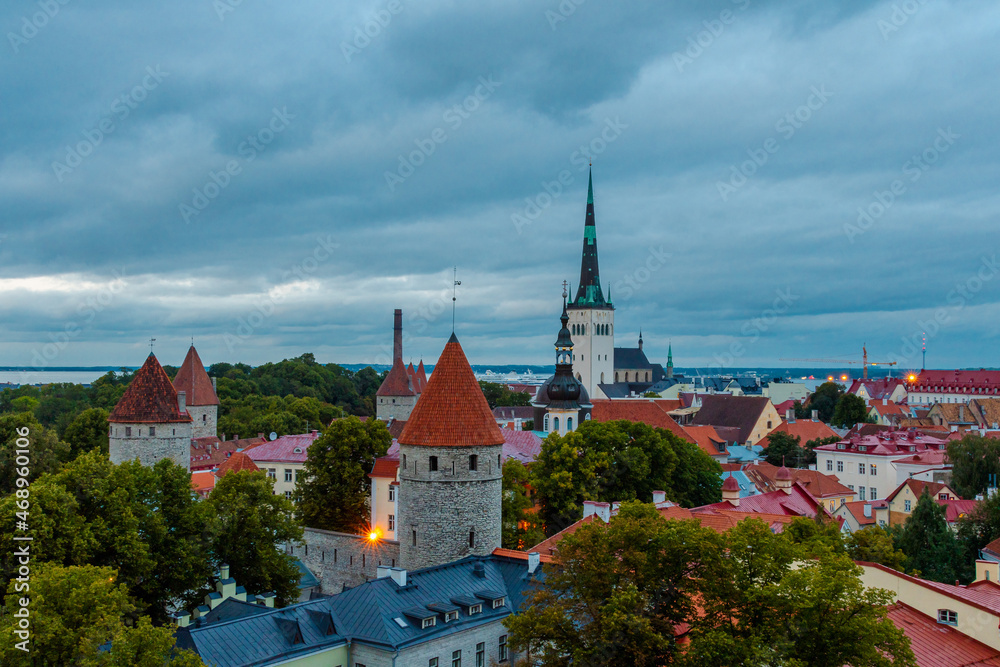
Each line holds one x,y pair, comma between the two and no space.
192,379
521,555
150,398
819,485
806,430
636,410
397,382
451,411
235,463
202,482
707,438
385,467
917,488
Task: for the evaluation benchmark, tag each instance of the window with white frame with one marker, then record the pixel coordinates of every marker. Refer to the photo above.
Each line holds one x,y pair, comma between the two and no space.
392,522
861,468
861,493
872,469
872,493
499,602
947,616
475,609
907,505
829,465
840,466
272,473
456,658
288,474
392,494
427,623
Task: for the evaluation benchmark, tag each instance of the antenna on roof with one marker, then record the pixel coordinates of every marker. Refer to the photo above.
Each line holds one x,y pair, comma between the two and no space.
454,295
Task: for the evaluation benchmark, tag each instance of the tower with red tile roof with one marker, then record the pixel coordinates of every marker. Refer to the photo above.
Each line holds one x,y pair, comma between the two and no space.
202,402
449,471
151,421
401,388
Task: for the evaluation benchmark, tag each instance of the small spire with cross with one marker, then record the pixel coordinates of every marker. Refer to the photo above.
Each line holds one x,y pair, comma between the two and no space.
151,341
454,295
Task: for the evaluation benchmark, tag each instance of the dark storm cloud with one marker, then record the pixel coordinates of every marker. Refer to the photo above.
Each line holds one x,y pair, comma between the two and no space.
272,180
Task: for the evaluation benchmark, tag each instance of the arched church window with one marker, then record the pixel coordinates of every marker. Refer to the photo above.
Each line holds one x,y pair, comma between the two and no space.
556,424
616,377
602,378
546,423
569,423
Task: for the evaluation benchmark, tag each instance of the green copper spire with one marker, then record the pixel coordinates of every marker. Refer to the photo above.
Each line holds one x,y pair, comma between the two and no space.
670,361
589,294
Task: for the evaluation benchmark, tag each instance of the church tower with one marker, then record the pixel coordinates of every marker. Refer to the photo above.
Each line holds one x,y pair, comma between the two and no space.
202,402
450,475
561,404
591,317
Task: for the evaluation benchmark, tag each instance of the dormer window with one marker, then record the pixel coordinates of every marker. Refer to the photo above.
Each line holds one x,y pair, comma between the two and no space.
427,623
499,602
451,616
297,450
475,609
947,617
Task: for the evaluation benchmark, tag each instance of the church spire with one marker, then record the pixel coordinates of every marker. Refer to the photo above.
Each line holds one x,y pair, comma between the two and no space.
670,361
589,294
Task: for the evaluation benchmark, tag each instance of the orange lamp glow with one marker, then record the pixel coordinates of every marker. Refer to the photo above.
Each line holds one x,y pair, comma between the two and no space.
843,377
913,378
830,378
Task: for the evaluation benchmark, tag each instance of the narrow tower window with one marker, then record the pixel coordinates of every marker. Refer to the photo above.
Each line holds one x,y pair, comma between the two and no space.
473,462
433,463
472,539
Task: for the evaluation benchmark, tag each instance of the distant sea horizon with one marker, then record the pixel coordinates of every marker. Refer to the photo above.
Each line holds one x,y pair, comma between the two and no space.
87,374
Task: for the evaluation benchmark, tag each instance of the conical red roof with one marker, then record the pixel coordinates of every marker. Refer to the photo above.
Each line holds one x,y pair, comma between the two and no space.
422,374
452,411
397,382
192,379
235,463
150,398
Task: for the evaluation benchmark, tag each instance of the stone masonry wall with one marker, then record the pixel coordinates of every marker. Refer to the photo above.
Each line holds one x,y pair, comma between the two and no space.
385,409
339,558
443,506
204,420
171,441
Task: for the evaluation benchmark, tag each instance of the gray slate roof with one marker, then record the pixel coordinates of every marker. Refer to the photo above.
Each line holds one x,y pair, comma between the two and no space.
363,614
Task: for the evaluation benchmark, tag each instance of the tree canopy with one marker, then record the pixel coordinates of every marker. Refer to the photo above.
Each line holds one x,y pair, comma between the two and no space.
975,462
500,395
824,400
783,450
851,409
618,461
629,588
520,529
334,490
932,549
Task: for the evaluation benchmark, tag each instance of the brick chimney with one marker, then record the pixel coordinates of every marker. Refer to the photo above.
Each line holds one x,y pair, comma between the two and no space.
397,335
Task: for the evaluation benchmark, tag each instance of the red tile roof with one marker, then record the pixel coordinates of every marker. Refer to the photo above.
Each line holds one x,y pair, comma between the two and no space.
398,382
637,410
385,466
521,555
525,446
396,427
888,409
955,508
283,449
806,430
993,547
203,481
193,380
938,645
930,457
452,411
981,382
887,443
819,485
707,439
986,598
150,398
210,452
857,510
917,488
876,388
235,463
422,375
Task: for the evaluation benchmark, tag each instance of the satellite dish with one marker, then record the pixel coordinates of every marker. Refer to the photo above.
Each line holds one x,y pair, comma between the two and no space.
273,436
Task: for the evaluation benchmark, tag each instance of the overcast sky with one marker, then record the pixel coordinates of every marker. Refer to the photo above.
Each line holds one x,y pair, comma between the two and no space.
274,178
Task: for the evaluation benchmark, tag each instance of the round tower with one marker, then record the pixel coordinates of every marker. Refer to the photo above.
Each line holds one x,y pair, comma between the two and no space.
202,401
450,475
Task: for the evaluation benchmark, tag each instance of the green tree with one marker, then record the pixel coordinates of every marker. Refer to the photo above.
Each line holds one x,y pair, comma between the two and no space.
874,544
825,399
337,467
76,609
519,528
783,450
851,409
88,431
25,404
932,549
500,395
975,462
617,590
45,451
251,526
816,535
142,521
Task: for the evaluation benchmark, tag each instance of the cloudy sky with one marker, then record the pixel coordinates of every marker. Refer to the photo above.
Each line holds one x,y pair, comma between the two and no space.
772,179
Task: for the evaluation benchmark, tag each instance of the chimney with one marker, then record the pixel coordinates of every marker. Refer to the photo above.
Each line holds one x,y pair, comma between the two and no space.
224,571
868,510
398,574
182,401
314,433
961,412
397,335
659,496
382,571
260,435
589,507
534,558
479,570
815,415
215,386
604,512
268,598
790,415
182,618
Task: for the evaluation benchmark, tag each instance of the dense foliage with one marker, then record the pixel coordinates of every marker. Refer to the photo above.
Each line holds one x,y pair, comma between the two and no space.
629,588
500,395
975,464
824,400
333,493
851,409
520,529
618,461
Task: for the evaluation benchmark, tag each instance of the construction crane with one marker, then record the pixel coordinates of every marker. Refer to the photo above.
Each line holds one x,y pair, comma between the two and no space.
864,362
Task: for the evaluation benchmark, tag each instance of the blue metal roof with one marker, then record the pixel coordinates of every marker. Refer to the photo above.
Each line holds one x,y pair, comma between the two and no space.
308,579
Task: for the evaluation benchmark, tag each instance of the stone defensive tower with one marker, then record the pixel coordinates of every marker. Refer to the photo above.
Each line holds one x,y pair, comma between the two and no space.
150,421
401,387
202,401
450,473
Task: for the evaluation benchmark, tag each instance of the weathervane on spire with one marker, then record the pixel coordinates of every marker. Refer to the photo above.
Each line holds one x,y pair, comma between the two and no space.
565,289
454,295
151,341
